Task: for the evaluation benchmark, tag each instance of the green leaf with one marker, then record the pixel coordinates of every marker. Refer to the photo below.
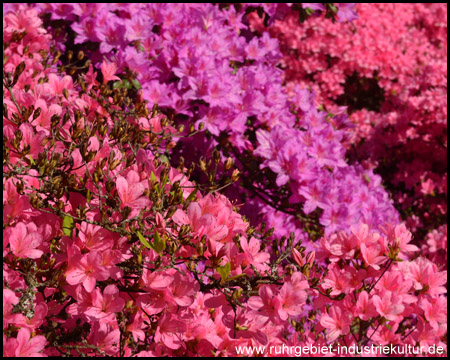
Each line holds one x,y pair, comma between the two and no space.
164,158
224,271
31,160
89,196
143,240
158,244
67,225
333,8
140,47
164,180
126,84
189,199
153,177
309,11
192,195
136,84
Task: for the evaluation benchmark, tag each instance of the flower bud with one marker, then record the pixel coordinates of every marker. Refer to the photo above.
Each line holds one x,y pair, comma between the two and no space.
18,71
80,55
66,93
235,175
298,257
229,163
36,114
310,258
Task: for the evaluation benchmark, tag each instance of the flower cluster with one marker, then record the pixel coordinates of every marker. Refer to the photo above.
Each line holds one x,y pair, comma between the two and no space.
390,67
120,240
229,83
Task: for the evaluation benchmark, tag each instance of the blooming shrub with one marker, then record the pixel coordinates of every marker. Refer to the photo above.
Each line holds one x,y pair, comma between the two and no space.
390,68
188,77
118,242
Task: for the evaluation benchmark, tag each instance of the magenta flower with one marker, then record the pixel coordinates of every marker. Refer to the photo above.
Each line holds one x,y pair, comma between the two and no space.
337,321
346,12
252,254
373,255
435,311
130,191
292,301
181,292
267,304
389,305
105,304
87,271
25,345
109,70
105,338
170,331
24,241
364,308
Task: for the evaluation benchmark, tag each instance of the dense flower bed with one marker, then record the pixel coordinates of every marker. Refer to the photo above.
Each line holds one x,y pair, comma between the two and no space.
390,67
136,138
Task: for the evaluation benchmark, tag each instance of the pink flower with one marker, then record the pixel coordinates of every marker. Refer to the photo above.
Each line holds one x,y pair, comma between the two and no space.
56,85
24,240
437,239
435,311
292,301
94,237
389,305
425,334
373,255
43,121
254,49
342,246
361,235
386,336
27,346
170,331
31,138
182,291
346,12
90,77
364,308
399,236
427,277
105,304
109,70
130,192
337,321
137,326
267,304
201,222
156,280
14,205
87,271
40,312
105,338
252,254
342,280
9,300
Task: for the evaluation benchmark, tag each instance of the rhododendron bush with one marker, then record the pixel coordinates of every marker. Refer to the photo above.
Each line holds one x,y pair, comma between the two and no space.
390,68
165,193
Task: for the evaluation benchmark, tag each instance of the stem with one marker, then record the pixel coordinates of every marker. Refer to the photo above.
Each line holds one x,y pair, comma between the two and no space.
14,100
385,269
